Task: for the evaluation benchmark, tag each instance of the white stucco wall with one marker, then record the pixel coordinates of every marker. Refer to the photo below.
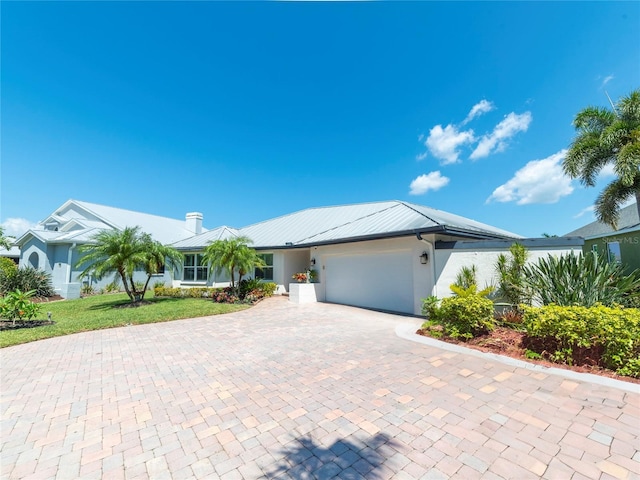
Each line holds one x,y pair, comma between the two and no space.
449,263
422,279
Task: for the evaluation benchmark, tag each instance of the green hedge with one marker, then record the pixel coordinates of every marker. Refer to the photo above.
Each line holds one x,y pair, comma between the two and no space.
608,336
195,292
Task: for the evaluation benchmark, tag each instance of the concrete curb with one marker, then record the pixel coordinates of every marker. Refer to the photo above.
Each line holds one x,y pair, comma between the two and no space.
408,332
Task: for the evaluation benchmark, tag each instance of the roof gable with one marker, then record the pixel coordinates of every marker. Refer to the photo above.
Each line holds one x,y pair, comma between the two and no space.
78,221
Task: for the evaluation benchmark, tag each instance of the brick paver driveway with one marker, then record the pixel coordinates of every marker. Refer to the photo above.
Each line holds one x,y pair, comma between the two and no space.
307,391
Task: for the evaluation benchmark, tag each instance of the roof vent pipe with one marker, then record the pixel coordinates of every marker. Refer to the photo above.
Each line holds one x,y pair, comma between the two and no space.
193,222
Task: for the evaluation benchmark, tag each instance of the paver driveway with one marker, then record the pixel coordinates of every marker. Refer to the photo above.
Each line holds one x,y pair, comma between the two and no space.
299,391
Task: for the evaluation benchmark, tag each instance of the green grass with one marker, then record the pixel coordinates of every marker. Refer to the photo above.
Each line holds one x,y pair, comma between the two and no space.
98,312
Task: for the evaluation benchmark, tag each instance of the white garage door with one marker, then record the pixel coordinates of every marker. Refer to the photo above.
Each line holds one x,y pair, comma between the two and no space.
382,280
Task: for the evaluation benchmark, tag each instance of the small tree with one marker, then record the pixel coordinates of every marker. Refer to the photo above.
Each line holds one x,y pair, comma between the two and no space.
511,280
157,257
5,242
232,255
113,251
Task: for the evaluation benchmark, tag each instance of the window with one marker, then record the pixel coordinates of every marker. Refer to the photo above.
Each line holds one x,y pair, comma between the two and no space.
594,248
194,269
160,270
265,273
613,249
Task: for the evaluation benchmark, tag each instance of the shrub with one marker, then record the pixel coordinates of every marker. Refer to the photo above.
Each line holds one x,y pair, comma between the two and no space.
112,287
568,334
7,266
87,289
584,280
465,315
196,292
26,279
17,306
512,286
466,277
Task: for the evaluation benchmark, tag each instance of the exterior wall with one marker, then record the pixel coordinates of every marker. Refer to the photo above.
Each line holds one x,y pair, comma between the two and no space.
35,246
450,261
629,248
422,275
286,263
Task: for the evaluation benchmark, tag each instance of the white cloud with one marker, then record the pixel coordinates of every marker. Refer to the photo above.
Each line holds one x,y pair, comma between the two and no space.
483,106
584,211
432,181
607,171
443,143
421,156
539,181
15,227
496,141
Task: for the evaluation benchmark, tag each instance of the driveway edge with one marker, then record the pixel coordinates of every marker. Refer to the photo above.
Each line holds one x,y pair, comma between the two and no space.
408,332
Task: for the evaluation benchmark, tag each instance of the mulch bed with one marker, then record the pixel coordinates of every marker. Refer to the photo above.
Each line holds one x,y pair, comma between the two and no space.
8,324
55,298
514,344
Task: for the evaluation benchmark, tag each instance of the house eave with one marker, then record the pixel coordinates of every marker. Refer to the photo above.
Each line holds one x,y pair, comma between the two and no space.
380,236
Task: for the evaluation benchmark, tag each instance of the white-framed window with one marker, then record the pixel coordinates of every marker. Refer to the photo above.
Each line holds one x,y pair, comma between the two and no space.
265,273
613,250
194,268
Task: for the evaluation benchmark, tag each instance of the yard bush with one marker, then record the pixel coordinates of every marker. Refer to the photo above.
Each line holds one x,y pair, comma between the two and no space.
7,266
465,315
584,280
250,291
609,337
196,292
26,279
17,306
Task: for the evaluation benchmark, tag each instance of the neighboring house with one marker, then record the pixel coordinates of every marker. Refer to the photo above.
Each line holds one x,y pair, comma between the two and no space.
381,255
622,245
53,245
13,253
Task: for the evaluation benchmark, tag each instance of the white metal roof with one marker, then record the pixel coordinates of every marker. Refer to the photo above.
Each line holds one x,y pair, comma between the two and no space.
199,241
94,217
362,221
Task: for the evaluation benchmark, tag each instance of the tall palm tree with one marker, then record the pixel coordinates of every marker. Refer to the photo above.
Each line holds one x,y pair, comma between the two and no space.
158,256
608,137
233,254
114,251
5,242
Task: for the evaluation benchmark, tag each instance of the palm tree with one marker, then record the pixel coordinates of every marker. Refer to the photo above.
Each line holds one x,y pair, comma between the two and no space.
157,257
233,254
114,251
608,137
5,242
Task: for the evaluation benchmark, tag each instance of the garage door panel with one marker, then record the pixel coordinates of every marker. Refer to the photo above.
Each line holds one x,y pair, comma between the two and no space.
378,280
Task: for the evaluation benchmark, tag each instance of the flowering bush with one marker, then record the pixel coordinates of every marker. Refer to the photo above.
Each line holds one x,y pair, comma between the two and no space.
300,277
17,306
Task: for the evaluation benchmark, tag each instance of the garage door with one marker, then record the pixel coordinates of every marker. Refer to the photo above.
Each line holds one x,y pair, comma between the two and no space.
383,280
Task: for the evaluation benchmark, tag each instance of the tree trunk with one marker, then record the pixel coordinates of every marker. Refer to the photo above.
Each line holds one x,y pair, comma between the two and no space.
136,294
126,285
146,284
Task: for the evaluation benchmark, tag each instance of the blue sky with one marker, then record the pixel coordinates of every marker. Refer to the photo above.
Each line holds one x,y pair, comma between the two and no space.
246,111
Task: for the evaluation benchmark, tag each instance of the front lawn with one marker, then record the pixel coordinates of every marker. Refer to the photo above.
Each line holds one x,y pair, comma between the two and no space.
101,311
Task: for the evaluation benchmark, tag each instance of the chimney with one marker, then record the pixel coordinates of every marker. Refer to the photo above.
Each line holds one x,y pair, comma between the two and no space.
194,222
